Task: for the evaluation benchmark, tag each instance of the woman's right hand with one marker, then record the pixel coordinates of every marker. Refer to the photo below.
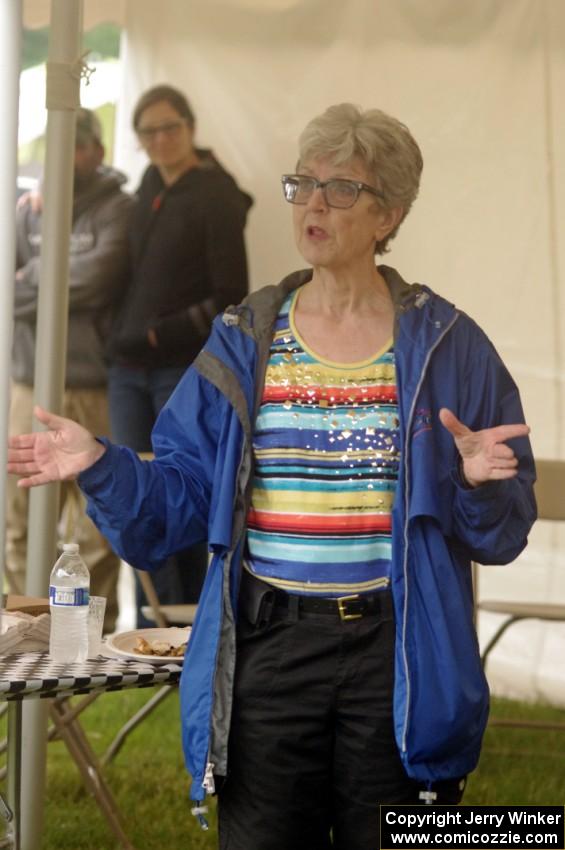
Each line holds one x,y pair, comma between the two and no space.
58,454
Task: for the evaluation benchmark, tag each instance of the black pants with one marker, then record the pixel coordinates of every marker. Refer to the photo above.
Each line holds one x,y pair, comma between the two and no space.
312,750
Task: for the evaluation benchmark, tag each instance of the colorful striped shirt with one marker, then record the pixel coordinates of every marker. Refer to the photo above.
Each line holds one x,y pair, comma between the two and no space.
326,449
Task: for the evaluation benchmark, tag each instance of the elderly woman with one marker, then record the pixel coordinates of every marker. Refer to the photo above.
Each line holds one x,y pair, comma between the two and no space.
347,443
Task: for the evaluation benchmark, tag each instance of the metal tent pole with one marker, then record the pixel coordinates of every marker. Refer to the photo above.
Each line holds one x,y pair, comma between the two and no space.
10,40
62,100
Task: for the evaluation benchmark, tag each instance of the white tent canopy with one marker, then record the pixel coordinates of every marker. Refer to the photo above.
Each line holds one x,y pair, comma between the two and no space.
479,83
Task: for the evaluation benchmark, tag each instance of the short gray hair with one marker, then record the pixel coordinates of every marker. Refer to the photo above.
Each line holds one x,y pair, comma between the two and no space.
384,145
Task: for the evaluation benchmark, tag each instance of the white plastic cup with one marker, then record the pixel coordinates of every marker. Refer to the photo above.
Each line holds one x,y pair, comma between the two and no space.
96,610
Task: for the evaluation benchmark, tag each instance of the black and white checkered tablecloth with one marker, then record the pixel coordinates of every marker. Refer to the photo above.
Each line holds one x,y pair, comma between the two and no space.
35,674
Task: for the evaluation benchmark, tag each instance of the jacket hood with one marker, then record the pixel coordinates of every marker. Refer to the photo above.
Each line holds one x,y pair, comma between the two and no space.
105,181
265,303
153,183
209,160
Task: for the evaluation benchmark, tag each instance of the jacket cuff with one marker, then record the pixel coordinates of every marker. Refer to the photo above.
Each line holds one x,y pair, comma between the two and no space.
459,476
483,503
487,490
100,471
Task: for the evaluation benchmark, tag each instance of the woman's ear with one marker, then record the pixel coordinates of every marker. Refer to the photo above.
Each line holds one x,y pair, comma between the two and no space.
388,220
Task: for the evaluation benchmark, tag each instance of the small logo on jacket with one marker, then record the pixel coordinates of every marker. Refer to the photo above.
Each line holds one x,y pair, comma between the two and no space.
422,421
78,242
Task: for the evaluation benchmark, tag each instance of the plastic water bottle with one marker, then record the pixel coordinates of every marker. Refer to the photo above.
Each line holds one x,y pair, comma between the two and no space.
68,602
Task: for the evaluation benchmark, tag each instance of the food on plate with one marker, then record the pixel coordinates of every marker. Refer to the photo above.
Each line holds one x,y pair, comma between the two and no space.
158,647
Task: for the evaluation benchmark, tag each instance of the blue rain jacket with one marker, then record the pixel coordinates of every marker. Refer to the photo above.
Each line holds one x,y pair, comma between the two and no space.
198,488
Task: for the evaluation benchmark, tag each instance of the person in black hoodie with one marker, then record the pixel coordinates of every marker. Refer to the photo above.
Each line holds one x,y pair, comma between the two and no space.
188,263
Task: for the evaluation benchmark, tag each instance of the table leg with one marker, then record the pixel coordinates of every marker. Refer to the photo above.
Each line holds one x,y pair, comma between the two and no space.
72,734
12,839
134,722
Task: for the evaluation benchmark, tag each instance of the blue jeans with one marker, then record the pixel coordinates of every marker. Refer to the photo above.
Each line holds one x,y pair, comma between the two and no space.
136,397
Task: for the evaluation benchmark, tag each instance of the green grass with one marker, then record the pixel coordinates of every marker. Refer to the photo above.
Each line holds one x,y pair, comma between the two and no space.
520,766
148,779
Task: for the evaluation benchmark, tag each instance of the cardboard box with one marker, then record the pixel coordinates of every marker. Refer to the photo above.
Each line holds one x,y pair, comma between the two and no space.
34,605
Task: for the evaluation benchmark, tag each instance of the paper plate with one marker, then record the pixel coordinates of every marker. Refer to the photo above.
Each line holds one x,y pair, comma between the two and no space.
124,643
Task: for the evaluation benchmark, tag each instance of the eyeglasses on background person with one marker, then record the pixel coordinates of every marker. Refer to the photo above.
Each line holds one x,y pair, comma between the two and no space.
148,134
338,192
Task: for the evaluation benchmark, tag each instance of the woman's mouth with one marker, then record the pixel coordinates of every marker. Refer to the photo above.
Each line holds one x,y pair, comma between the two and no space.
317,233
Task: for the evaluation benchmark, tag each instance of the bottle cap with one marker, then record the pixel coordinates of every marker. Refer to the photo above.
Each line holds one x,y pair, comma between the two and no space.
70,547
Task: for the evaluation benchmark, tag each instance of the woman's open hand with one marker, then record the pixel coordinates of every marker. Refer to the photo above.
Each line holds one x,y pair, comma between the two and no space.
484,454
58,454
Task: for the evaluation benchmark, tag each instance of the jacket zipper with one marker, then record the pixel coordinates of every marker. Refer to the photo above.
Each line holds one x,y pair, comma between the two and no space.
405,533
208,783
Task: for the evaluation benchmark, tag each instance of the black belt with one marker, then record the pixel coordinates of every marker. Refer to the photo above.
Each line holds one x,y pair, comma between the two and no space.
345,607
259,600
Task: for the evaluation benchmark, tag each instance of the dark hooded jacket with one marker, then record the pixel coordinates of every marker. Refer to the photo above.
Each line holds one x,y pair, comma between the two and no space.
188,263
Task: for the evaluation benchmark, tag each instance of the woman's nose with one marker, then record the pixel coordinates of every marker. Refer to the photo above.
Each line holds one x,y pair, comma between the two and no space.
317,199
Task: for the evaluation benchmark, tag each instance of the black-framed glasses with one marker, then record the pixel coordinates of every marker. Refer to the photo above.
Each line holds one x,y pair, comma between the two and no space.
338,192
148,134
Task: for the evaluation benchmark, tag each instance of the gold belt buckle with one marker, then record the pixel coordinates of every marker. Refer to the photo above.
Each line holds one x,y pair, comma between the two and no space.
343,615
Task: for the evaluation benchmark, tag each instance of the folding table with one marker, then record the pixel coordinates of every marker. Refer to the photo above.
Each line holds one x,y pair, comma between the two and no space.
34,675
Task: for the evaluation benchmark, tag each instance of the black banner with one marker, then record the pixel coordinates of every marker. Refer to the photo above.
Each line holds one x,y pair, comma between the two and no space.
467,827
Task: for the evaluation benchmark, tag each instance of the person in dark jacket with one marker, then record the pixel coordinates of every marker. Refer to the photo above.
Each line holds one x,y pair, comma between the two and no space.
348,443
188,263
98,274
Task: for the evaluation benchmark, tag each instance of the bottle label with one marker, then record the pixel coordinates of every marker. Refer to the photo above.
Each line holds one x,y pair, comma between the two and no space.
68,596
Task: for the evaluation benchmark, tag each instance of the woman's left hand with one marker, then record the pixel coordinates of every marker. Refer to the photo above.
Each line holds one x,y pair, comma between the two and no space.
484,454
